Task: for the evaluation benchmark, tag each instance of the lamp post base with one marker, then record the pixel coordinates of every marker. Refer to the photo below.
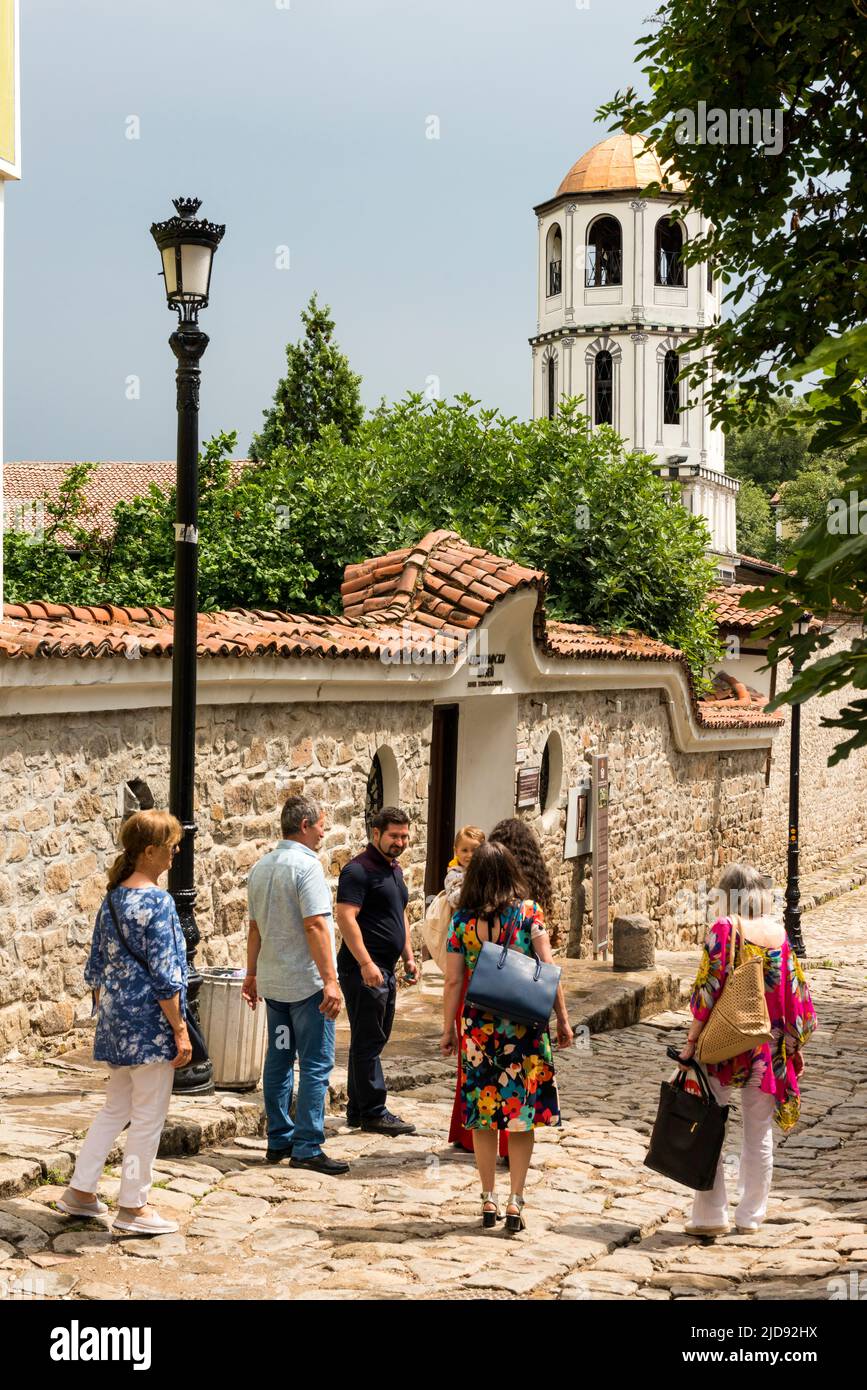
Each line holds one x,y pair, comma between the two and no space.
196,1080
792,923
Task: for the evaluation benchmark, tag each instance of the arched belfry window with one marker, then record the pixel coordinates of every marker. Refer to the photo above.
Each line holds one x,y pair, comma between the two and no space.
604,253
554,259
603,389
551,381
669,253
671,389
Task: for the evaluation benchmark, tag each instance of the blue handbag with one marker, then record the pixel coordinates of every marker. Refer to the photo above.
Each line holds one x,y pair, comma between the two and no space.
513,986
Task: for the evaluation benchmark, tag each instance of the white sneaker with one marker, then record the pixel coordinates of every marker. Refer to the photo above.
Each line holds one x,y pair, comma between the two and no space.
70,1207
149,1223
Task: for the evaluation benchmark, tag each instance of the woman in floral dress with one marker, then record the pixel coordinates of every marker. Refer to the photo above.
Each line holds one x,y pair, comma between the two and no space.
507,1068
766,1076
138,972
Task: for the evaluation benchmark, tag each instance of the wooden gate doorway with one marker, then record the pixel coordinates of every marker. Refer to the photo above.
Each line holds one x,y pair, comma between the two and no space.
442,788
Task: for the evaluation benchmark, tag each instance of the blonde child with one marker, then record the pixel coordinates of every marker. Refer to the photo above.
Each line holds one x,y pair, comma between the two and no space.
467,841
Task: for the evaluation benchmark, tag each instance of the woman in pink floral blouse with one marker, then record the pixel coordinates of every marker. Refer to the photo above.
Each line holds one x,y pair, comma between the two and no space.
767,1076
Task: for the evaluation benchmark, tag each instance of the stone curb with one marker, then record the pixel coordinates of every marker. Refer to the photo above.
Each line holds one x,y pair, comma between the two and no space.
194,1125
821,887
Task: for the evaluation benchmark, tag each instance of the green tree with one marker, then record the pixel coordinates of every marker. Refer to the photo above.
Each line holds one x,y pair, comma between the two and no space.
804,502
755,522
58,542
826,570
619,549
247,558
319,389
785,228
766,451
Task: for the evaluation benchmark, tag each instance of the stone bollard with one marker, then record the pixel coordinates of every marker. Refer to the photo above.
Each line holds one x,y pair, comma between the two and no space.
633,947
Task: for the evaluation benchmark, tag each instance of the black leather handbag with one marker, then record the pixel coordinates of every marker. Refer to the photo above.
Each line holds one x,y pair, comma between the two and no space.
511,985
688,1135
197,1041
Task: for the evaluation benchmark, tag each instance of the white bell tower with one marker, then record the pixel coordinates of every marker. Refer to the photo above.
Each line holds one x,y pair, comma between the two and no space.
615,304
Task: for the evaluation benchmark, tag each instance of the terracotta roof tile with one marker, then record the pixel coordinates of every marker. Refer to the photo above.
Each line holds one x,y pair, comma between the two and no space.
731,696
730,615
390,602
28,482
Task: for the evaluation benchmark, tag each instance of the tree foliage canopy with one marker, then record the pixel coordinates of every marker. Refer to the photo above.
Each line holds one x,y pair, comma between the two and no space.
619,549
319,390
788,233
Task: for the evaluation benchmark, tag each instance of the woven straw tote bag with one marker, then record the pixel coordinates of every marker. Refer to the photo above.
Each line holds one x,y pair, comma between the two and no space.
739,1020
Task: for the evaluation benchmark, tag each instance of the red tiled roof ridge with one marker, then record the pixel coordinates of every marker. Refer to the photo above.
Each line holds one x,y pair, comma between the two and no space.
762,564
417,603
725,598
112,481
442,575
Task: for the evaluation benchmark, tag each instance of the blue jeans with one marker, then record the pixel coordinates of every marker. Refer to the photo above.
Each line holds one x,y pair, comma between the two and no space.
297,1030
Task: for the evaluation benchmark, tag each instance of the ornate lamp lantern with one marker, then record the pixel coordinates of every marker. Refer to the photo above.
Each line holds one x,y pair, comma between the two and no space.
187,245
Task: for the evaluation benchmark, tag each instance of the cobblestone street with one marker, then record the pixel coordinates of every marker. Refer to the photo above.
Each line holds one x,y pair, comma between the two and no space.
405,1223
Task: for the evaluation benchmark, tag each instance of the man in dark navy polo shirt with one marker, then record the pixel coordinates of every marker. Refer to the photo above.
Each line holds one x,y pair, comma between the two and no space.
373,922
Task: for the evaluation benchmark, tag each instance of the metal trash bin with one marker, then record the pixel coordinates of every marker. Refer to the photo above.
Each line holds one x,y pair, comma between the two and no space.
235,1034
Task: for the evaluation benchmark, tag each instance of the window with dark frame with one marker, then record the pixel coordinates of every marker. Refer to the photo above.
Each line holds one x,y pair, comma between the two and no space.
552,387
671,389
555,260
603,393
669,248
604,253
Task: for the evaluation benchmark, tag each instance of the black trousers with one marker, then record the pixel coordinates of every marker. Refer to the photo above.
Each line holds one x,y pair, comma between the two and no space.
371,1015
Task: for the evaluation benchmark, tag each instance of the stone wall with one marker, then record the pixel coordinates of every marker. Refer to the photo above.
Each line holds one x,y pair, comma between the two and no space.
673,817
676,818
833,800
59,817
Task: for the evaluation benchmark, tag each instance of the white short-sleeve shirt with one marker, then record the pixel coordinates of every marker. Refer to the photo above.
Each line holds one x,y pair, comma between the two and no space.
285,886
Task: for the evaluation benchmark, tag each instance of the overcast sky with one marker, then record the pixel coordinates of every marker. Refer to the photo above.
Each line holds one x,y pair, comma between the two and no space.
300,124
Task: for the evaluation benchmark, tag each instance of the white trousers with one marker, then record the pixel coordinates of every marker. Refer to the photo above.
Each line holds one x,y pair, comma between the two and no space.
139,1097
756,1161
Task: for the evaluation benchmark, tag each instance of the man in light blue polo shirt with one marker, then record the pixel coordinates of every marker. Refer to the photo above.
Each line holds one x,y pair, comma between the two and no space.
291,965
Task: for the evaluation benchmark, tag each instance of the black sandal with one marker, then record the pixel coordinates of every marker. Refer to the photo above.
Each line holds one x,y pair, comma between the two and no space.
514,1220
490,1218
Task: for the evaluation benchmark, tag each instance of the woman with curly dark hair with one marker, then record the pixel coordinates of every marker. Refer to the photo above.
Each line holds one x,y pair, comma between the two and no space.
507,1067
518,837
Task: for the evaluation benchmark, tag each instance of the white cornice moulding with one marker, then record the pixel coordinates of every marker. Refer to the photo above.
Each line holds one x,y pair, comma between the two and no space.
79,685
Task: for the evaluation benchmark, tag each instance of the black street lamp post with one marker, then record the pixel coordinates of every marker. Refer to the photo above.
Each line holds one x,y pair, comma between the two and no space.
187,245
792,916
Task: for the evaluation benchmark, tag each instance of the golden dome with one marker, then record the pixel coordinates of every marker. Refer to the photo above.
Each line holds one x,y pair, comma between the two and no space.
621,164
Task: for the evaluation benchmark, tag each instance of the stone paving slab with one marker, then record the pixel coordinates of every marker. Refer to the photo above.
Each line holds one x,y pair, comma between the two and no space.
405,1222
45,1108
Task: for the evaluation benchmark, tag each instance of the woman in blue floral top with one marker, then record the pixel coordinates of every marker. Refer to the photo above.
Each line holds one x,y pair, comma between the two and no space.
138,972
